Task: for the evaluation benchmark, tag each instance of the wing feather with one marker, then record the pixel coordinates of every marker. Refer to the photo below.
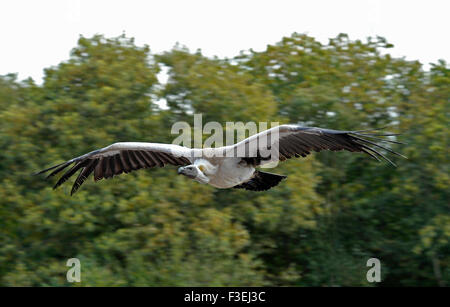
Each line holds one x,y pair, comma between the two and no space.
120,158
84,173
293,141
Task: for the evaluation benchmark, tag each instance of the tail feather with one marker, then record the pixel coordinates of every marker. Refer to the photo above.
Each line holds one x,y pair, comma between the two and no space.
261,181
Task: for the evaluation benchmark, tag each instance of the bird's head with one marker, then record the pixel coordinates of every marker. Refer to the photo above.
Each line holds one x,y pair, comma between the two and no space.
190,171
194,172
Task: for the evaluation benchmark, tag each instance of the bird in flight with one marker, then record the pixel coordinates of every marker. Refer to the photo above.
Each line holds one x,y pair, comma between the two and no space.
232,166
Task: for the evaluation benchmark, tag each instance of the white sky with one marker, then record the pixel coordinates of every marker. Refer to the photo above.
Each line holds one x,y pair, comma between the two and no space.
38,34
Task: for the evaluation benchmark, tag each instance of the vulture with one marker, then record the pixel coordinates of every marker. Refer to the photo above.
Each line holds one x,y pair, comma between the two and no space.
232,166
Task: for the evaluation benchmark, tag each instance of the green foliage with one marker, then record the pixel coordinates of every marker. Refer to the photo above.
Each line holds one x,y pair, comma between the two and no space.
215,88
153,228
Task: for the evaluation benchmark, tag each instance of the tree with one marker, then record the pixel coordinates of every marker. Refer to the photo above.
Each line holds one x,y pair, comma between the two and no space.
317,228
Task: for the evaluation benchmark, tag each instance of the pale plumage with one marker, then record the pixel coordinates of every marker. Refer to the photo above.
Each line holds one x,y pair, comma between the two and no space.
223,167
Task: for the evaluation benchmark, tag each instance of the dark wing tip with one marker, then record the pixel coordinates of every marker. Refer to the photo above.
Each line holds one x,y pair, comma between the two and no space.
49,169
365,141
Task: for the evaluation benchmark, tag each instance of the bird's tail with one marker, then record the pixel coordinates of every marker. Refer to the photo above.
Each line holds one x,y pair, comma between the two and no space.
261,181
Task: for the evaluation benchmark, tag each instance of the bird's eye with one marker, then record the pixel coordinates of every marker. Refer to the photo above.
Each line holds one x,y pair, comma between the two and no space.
202,168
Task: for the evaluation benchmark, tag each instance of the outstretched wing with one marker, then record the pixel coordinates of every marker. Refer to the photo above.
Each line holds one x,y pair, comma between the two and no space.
288,141
120,158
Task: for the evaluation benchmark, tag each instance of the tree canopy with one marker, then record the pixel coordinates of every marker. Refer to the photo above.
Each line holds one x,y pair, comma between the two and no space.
153,228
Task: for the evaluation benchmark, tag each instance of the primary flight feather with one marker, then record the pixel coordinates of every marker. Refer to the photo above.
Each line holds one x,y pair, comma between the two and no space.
224,167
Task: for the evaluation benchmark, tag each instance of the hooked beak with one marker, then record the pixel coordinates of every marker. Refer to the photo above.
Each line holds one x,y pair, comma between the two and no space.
180,170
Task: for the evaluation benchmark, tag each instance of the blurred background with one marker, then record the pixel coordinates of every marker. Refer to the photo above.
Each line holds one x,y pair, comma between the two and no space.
154,228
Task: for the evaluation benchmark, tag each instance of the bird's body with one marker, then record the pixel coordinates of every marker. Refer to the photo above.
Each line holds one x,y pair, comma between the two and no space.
226,167
226,173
